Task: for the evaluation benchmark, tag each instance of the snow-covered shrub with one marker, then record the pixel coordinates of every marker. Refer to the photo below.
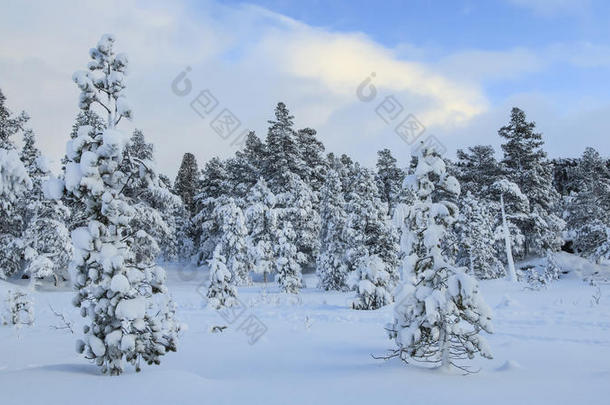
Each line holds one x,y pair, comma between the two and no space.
541,272
287,260
372,283
221,290
19,309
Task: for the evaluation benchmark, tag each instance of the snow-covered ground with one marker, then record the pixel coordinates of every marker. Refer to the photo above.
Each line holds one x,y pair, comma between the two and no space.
551,346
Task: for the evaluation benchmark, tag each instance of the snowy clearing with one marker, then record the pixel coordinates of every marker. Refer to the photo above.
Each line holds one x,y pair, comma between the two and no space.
550,346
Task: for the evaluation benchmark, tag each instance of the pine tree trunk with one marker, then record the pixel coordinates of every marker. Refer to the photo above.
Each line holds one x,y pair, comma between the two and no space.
444,347
511,274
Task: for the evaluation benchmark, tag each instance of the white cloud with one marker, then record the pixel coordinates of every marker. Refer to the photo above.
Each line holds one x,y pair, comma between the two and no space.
248,56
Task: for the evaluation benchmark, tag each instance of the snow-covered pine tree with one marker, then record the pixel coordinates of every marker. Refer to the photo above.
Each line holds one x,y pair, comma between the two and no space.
159,212
14,182
10,125
563,170
288,259
370,234
254,153
312,151
221,290
46,239
119,289
213,192
513,207
297,206
389,179
90,118
76,206
261,223
439,312
588,210
232,241
331,265
525,163
476,232
187,183
348,171
477,168
283,154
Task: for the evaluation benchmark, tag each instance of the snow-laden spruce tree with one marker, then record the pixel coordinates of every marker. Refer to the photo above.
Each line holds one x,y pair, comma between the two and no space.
221,290
288,259
14,182
233,240
331,265
439,312
261,223
370,234
120,290
476,233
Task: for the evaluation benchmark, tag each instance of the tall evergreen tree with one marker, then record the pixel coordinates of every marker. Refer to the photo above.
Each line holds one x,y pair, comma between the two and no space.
372,241
389,179
213,192
513,210
14,182
588,210
297,206
9,124
331,265
476,236
312,151
261,223
232,241
282,151
46,238
477,168
526,165
186,184
119,288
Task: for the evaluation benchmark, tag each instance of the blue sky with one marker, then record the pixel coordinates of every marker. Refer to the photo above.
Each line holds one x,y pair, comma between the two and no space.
459,66
441,28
